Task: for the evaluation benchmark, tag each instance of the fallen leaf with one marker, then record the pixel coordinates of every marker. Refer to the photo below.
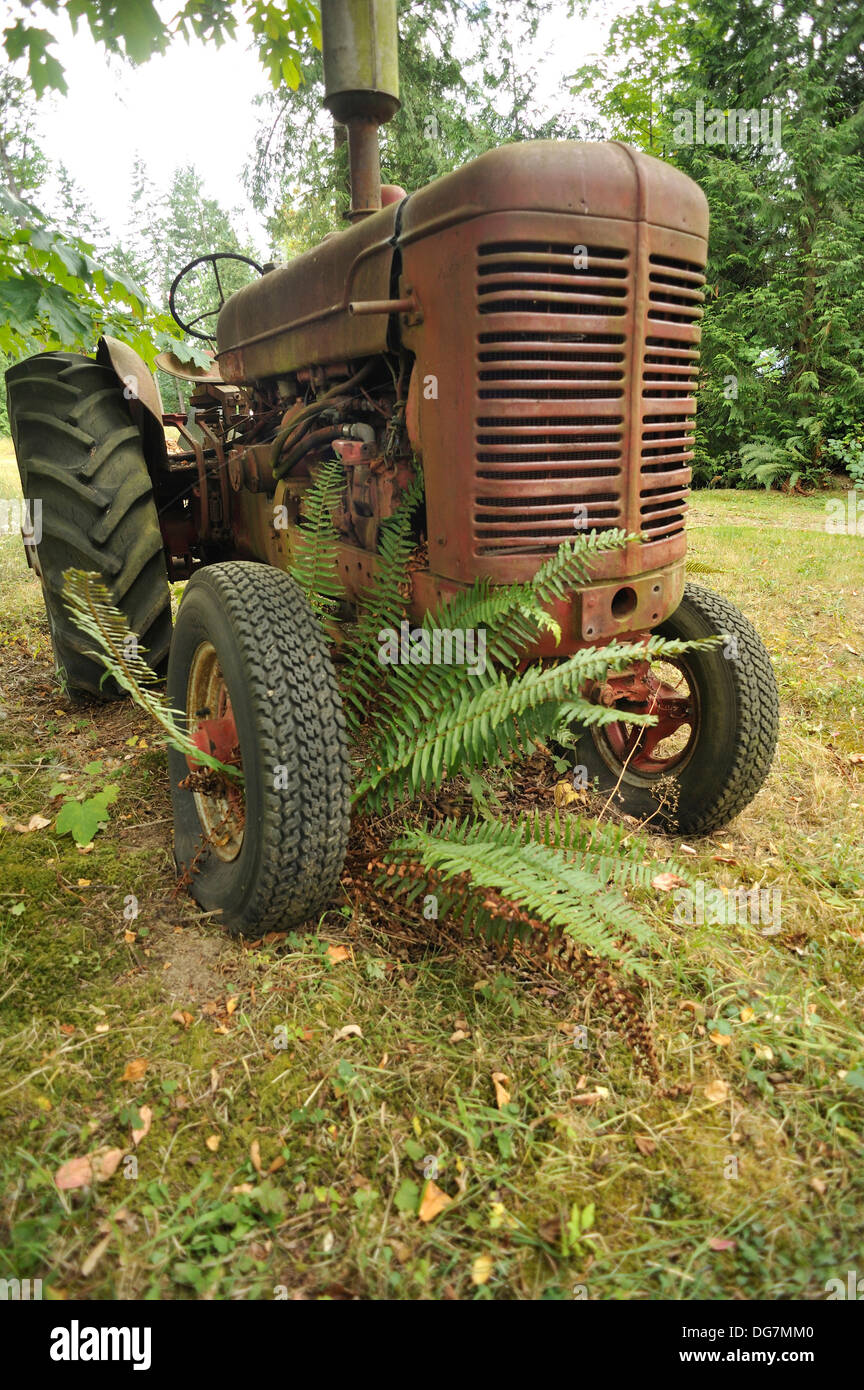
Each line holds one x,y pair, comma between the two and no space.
458,1036
502,1095
76,1173
718,1243
565,793
717,1091
591,1097
433,1202
67,1028
747,1014
134,1070
182,1017
242,1189
351,1030
95,1255
104,1163
213,1141
230,1005
481,1269
665,882
129,937
146,1120
721,1039
763,1052
255,1156
84,882
34,823
337,953
644,1144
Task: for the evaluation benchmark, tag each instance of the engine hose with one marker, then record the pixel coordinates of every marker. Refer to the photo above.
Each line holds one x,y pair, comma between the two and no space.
307,445
313,408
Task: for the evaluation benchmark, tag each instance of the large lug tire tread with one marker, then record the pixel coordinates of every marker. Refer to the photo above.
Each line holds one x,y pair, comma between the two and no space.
288,710
740,720
79,451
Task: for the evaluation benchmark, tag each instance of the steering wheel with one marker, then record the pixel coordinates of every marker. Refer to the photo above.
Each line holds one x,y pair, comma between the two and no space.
213,257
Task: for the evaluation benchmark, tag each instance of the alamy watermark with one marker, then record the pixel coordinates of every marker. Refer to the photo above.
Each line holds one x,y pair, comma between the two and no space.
758,126
706,905
844,516
440,646
24,515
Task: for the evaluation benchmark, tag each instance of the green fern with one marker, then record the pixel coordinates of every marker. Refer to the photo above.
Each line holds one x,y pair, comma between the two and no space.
91,606
382,606
315,566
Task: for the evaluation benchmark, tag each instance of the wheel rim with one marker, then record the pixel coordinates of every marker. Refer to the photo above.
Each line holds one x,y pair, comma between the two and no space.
213,728
666,689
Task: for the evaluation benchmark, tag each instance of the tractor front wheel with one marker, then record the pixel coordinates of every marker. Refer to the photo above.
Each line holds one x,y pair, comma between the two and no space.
717,715
251,676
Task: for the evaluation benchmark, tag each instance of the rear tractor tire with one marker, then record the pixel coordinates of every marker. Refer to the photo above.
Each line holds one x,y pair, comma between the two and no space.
715,742
80,457
250,672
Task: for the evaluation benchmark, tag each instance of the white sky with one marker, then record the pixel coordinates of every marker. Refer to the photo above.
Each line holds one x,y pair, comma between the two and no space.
196,105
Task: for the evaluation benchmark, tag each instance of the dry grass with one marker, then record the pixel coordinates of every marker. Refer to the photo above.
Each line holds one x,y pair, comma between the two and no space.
245,1074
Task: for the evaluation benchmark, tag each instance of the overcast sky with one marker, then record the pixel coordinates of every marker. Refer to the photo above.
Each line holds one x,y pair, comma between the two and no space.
196,105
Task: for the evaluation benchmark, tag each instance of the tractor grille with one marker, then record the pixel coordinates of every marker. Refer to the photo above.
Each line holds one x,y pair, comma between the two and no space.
669,368
550,394
558,374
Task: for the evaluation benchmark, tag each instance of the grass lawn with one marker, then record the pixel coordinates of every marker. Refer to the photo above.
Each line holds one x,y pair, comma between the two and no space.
285,1157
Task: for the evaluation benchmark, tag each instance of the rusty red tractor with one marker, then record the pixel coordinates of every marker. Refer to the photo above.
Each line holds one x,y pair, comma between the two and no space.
527,330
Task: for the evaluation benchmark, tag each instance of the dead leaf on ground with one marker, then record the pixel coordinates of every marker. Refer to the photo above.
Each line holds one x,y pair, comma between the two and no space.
351,1030
717,1091
481,1269
501,1082
721,1243
183,1017
458,1036
255,1156
73,1174
95,1255
104,1162
34,823
592,1097
665,882
433,1202
146,1120
135,1069
721,1039
231,1005
337,953
644,1144
213,1141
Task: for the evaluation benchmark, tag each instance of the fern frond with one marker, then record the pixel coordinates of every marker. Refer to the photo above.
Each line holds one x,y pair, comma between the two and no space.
460,721
571,899
382,605
316,565
91,606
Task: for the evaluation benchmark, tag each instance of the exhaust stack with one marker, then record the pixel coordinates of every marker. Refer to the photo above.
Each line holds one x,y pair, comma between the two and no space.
359,46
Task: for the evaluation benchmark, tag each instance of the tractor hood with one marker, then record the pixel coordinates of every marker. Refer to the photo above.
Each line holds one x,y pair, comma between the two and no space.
299,314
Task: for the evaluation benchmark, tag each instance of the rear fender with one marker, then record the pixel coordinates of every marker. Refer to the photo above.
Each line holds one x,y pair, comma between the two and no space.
142,395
